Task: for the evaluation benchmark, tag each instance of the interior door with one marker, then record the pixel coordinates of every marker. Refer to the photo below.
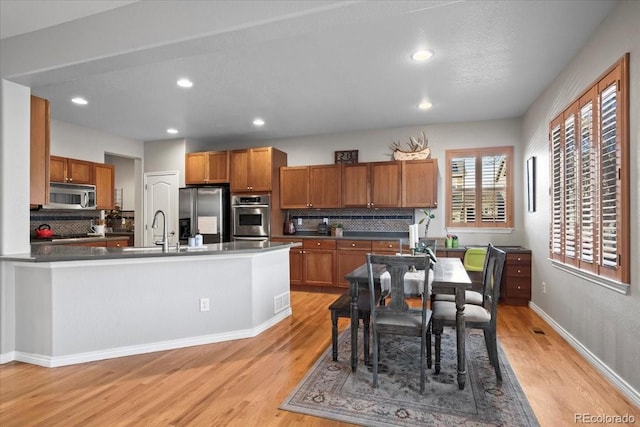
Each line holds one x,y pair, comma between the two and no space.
161,192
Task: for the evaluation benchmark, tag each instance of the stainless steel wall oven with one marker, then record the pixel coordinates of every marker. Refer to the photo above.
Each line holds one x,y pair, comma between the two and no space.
251,216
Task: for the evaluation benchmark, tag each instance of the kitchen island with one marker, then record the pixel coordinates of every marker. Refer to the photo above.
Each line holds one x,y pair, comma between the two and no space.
80,304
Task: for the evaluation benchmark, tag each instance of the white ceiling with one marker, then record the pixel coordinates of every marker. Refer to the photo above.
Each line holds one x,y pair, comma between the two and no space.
306,68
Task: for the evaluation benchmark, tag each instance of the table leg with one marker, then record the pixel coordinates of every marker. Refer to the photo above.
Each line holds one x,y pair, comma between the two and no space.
460,337
354,326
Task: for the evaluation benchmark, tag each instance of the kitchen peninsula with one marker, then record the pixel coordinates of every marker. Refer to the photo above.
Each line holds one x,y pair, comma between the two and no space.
79,304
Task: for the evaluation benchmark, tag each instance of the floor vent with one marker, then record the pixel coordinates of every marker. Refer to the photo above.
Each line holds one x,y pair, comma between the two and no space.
538,331
280,302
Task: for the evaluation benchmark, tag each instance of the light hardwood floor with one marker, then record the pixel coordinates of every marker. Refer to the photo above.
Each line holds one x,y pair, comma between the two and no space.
243,382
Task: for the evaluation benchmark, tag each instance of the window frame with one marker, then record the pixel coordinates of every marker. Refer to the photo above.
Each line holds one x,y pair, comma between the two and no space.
591,235
478,154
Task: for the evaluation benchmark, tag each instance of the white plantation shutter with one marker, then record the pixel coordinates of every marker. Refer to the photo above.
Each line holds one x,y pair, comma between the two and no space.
557,195
609,179
570,188
589,195
479,190
588,182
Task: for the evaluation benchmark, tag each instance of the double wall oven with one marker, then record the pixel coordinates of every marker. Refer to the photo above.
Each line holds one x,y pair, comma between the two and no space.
251,217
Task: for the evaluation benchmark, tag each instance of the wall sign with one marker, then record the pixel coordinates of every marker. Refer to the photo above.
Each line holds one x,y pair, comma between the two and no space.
348,156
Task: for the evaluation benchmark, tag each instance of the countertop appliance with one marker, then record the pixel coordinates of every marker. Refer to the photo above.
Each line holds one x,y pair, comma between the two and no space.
251,216
204,210
71,196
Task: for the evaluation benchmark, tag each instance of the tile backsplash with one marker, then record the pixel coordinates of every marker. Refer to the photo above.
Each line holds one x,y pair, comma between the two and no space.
363,219
64,222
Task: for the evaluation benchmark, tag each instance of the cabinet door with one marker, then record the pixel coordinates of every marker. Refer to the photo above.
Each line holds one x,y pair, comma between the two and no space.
58,169
239,179
104,181
117,243
348,261
325,186
260,169
296,258
79,171
355,185
419,184
195,168
294,187
217,167
319,267
385,184
39,152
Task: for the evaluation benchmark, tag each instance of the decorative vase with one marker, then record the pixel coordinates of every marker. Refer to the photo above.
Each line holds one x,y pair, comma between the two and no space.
336,232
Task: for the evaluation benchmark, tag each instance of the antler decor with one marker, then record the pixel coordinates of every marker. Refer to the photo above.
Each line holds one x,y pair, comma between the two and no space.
417,149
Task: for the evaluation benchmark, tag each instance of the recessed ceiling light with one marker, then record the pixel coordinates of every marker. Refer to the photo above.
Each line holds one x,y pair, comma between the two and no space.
424,105
80,101
258,122
422,55
172,131
185,83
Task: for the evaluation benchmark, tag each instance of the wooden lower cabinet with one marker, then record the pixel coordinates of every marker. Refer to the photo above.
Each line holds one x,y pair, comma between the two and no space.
103,243
313,263
515,287
351,255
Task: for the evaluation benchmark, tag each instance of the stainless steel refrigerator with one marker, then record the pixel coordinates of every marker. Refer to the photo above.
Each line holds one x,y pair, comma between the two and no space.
205,210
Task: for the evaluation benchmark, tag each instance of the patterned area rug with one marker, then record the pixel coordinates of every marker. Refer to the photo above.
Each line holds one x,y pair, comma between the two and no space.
330,390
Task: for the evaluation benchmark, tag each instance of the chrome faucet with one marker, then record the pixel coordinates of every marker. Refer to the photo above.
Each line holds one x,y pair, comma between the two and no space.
165,239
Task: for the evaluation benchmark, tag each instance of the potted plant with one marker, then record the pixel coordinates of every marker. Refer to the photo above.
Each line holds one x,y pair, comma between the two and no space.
428,216
336,229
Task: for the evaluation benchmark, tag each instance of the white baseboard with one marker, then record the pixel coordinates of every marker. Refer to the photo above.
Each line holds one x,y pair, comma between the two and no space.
72,359
614,378
7,357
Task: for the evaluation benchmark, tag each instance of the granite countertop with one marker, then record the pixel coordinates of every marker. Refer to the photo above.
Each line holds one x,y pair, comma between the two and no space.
348,235
64,252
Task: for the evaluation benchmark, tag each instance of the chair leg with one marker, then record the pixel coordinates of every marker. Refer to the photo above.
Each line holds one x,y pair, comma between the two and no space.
366,320
437,330
334,335
494,350
376,358
422,368
429,346
487,341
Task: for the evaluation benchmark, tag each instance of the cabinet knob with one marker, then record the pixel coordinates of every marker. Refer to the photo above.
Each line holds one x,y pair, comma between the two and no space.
390,246
519,271
318,244
519,259
518,287
353,244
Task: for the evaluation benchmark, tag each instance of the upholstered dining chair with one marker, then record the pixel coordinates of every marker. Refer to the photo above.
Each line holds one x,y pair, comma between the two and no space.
396,317
475,316
471,296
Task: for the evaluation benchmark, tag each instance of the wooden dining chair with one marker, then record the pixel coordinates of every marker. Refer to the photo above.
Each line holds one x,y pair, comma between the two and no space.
475,316
396,317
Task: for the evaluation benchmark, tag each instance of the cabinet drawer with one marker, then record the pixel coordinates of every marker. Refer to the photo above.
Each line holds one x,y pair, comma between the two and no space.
518,259
358,245
385,246
518,270
319,244
518,287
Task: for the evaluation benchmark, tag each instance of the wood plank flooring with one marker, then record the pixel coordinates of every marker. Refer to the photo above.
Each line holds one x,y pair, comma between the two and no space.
242,383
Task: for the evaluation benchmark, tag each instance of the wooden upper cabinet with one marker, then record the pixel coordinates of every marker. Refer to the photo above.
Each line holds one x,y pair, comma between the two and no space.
71,171
310,187
256,169
294,187
39,151
105,185
385,184
355,185
209,167
420,183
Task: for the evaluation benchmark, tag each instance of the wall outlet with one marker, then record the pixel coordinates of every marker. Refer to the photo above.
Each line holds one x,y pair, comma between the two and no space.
544,287
299,221
204,304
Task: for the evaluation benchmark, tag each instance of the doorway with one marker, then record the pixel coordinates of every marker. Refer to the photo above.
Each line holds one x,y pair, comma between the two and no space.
161,192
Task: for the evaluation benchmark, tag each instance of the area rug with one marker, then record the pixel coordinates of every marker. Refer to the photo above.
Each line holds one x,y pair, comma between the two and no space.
330,390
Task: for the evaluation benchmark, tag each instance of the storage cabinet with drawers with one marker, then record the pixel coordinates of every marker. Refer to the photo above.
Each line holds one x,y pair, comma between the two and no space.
515,287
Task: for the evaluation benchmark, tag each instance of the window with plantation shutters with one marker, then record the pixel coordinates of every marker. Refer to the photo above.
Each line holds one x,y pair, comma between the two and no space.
479,190
589,175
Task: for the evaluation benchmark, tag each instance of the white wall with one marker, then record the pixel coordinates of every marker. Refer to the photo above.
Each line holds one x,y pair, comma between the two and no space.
125,179
374,145
69,140
604,323
163,156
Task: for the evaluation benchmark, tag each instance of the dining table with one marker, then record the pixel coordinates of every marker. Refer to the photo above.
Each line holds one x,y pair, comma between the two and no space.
449,277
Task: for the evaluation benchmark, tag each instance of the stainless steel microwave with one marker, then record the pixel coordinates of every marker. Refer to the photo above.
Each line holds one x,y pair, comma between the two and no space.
71,196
